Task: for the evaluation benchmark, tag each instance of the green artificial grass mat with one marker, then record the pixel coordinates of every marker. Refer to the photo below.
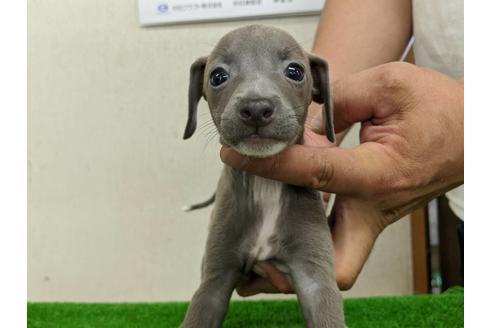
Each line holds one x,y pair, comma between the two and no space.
445,310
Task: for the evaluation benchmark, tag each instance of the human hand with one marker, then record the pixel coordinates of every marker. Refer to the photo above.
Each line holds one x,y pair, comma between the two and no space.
411,151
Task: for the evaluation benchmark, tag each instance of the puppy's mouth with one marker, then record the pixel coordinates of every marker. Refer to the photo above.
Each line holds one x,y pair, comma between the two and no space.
257,145
256,138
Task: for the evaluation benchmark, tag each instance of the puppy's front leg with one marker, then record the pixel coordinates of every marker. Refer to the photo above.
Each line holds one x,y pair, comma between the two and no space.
210,302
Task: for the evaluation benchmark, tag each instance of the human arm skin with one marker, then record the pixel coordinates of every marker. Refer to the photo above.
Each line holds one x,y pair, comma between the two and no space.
354,35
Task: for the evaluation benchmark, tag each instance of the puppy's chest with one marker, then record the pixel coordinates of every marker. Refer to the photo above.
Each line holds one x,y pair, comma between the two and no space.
269,204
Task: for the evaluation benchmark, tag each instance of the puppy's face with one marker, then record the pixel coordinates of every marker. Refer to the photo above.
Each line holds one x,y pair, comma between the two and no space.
258,83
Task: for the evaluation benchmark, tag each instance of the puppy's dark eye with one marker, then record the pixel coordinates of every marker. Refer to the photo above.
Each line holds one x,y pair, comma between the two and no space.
218,76
294,72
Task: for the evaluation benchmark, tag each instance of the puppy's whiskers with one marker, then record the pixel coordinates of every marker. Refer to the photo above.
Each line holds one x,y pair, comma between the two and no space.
210,138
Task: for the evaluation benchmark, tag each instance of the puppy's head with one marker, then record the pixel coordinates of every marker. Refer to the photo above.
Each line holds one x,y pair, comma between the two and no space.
258,83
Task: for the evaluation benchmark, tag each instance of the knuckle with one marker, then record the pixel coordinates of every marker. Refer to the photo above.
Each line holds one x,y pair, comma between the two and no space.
390,77
394,76
322,172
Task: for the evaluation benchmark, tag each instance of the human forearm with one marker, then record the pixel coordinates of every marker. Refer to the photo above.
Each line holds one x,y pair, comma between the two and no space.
354,35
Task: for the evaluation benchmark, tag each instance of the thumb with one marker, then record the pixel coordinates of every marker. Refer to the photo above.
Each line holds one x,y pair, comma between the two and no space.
354,233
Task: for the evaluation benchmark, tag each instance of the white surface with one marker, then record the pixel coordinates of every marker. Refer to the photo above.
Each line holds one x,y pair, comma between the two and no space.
153,12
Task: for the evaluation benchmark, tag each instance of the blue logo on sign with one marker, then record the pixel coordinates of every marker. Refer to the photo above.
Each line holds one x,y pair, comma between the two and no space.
162,8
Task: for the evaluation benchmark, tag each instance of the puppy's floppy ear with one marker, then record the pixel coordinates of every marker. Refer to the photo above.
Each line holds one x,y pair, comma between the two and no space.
321,92
195,92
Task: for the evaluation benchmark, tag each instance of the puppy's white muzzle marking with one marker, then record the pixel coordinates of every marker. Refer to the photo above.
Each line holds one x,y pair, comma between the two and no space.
261,150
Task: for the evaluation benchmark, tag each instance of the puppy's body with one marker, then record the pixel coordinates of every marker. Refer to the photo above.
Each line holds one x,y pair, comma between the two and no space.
256,218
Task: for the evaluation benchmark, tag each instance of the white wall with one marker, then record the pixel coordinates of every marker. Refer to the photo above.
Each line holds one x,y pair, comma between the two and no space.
108,171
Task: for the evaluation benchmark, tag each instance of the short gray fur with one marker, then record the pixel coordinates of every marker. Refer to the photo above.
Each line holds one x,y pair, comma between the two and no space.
255,57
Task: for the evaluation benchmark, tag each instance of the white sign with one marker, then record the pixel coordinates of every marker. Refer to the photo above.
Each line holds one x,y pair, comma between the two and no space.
155,12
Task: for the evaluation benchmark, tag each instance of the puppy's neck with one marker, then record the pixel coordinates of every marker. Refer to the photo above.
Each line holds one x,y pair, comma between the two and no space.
252,187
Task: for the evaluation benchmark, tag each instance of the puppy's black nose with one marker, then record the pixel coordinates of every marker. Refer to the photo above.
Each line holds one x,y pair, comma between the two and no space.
257,113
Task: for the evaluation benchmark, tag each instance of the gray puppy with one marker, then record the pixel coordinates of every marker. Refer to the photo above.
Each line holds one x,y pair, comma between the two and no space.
258,83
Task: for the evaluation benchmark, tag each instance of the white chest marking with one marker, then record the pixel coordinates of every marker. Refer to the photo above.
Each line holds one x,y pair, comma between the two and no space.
267,197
